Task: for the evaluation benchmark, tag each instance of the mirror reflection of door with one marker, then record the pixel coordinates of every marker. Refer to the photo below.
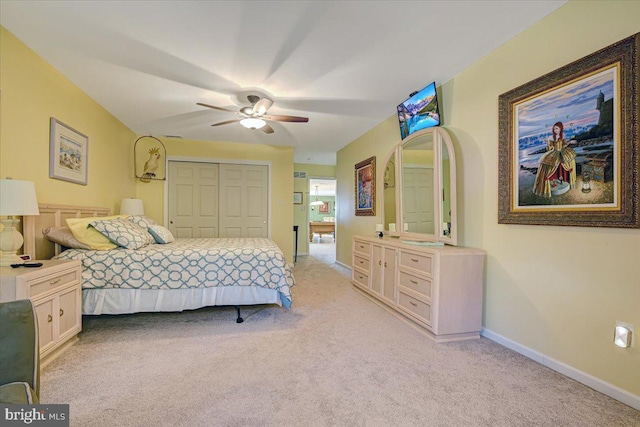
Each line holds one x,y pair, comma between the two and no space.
418,185
389,195
445,171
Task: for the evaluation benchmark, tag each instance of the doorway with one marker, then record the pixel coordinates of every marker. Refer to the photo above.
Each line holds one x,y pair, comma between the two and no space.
322,219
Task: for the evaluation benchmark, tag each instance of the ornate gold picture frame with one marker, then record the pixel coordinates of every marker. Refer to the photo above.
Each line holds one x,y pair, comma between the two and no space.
365,187
568,149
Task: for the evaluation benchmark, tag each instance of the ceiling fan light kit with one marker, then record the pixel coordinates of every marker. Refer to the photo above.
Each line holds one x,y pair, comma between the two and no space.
251,123
254,116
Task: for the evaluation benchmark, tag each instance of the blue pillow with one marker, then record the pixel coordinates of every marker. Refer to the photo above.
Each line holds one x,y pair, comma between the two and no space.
161,234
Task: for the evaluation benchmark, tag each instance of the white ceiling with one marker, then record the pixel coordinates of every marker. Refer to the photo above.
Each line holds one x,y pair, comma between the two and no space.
324,187
344,64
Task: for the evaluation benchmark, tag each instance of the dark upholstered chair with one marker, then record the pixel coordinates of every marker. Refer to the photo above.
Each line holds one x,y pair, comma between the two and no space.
19,353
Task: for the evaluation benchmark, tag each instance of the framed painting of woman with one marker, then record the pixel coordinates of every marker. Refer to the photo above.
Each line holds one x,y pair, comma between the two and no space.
568,144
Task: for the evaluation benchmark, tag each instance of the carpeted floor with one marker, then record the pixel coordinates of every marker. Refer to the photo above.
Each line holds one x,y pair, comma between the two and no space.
335,359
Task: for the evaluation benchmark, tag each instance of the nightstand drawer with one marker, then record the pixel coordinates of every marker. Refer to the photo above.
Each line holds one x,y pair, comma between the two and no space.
38,286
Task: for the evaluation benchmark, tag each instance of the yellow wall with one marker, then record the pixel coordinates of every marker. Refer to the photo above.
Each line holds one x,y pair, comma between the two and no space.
281,159
378,142
32,92
300,212
556,290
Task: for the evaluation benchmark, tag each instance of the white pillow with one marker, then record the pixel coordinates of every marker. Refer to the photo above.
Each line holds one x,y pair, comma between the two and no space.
161,234
144,223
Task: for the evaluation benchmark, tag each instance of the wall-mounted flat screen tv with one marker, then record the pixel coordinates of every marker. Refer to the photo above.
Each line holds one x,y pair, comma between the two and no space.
420,111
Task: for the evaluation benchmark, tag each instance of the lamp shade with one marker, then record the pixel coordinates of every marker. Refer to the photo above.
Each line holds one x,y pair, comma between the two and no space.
18,198
131,207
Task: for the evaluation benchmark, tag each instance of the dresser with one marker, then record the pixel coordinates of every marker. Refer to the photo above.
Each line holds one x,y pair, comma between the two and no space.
55,289
437,288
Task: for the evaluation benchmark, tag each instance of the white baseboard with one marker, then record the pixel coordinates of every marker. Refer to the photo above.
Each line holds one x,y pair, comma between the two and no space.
569,371
348,267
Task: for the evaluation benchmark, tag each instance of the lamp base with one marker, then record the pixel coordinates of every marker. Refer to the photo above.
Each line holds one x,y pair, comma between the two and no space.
10,241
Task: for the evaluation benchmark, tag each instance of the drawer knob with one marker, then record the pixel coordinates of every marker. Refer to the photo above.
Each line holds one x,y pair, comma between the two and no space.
414,282
61,312
380,262
53,282
414,260
413,303
385,264
49,318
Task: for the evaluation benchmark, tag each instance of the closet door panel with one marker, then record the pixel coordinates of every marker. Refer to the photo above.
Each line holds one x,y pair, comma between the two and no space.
193,199
244,204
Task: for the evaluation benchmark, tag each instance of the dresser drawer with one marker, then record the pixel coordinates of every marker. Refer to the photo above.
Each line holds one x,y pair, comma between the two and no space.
418,284
53,281
361,279
361,262
418,262
361,247
416,307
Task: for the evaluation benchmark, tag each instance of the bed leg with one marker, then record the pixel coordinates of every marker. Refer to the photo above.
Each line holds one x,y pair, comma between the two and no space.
239,319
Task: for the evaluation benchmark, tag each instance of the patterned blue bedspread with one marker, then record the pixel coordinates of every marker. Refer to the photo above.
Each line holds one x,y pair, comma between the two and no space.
188,263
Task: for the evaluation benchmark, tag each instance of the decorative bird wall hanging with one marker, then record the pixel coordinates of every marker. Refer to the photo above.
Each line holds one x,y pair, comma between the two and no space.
150,166
150,156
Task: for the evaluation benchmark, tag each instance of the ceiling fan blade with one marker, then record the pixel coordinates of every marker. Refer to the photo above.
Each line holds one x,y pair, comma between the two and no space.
261,107
294,119
266,129
226,122
216,108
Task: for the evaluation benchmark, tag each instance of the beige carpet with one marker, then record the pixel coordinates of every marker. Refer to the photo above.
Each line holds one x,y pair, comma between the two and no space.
335,359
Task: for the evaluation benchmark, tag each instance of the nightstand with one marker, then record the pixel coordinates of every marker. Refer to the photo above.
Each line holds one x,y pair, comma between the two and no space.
55,289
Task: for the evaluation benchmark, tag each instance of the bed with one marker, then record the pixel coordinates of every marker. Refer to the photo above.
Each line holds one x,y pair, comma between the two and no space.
182,275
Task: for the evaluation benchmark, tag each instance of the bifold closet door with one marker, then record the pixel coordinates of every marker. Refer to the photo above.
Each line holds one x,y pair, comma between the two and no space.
243,200
193,199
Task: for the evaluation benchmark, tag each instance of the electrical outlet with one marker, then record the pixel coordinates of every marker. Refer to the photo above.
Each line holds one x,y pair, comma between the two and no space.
623,334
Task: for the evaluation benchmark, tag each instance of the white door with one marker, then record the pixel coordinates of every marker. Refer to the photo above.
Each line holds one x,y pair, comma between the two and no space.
244,200
417,200
193,199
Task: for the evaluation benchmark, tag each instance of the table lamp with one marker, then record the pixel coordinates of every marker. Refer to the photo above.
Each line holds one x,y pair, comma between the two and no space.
131,207
17,198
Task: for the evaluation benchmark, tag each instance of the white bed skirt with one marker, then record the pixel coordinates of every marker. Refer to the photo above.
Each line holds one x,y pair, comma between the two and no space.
126,301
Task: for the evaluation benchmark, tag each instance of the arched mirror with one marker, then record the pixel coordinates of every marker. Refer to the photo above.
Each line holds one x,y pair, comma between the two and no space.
389,192
421,204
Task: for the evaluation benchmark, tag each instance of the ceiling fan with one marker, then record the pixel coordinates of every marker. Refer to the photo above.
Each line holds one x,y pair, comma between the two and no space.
254,116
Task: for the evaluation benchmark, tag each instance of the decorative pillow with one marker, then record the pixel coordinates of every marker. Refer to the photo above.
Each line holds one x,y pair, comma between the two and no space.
144,223
122,232
64,237
161,234
88,235
141,220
